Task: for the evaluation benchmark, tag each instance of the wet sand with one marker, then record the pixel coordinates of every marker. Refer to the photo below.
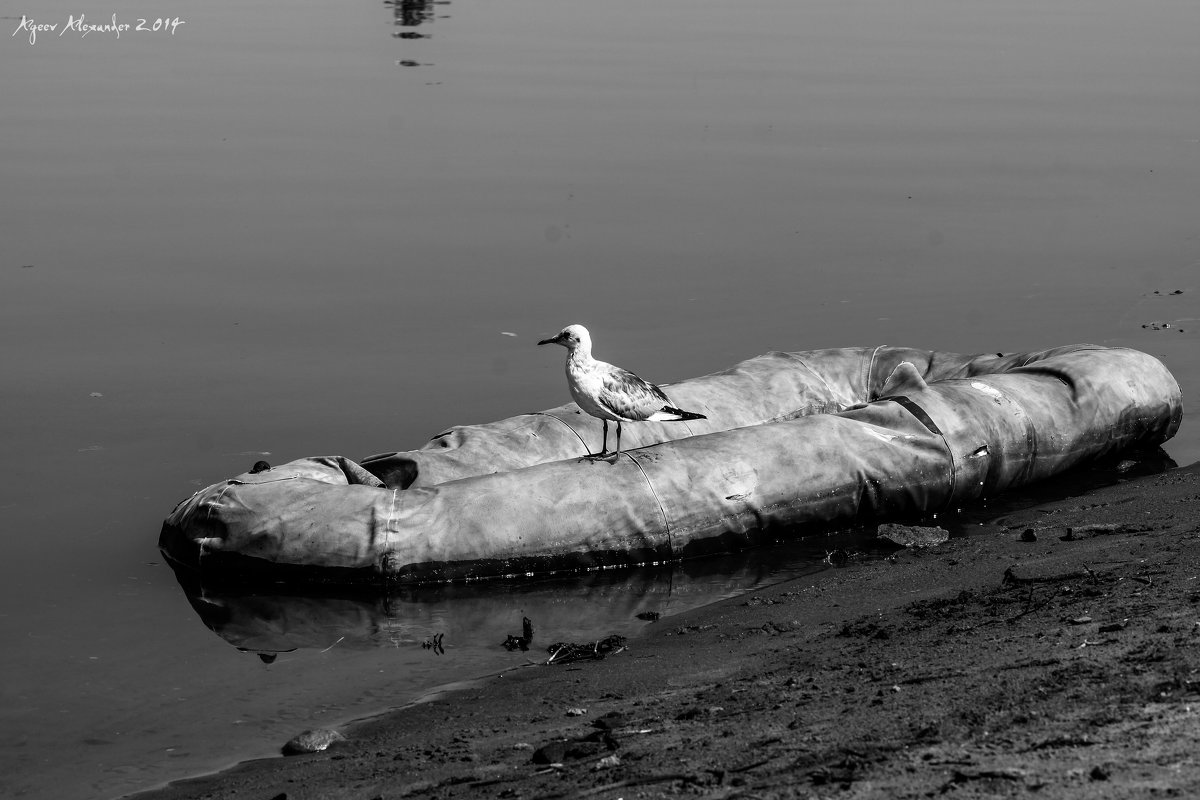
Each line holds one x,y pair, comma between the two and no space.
1064,662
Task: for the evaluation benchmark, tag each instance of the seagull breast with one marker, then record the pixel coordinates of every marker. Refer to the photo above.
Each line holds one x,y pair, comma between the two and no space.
612,393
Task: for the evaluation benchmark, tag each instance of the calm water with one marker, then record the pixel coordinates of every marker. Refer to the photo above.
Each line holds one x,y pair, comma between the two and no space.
301,228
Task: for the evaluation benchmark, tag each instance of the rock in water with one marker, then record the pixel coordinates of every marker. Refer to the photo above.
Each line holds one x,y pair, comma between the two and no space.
313,741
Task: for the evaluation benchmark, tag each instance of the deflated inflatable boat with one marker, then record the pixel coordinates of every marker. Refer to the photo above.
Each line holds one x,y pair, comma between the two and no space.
791,441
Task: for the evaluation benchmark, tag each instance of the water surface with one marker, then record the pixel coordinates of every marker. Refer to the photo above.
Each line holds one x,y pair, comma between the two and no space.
291,229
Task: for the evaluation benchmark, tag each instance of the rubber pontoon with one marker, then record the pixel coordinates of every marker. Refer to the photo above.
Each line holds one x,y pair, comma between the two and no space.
792,441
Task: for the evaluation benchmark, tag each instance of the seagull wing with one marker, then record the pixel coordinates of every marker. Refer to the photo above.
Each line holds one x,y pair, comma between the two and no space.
628,396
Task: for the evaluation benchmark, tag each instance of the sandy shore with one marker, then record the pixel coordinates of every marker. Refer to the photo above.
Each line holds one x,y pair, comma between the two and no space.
1064,662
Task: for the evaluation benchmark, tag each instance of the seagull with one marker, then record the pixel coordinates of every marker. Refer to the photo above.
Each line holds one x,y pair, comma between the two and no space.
611,393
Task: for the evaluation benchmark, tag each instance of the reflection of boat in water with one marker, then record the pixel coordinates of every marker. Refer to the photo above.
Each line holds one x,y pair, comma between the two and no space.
792,442
482,613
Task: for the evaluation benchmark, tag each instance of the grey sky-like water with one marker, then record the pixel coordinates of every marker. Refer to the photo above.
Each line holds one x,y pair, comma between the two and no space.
292,229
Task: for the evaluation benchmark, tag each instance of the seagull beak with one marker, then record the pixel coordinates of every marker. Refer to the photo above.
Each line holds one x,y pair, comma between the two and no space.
552,340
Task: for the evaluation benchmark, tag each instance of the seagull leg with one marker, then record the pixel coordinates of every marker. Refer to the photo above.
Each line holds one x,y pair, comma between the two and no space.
603,447
617,454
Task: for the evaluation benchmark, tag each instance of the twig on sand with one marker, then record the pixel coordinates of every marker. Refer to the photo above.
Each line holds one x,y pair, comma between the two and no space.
642,781
1030,608
1011,579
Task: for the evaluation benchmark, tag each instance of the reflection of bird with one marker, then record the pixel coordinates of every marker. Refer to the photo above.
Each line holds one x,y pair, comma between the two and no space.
611,393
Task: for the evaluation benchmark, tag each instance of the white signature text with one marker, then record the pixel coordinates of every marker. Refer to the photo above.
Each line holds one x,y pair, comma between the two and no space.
83,26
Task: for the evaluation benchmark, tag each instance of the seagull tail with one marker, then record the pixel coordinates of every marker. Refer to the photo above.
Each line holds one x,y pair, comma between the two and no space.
672,414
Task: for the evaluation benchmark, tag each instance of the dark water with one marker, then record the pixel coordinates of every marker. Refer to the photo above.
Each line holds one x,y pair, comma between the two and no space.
305,228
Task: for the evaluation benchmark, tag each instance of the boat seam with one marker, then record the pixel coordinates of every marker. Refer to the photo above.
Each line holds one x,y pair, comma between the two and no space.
564,423
657,499
819,376
866,396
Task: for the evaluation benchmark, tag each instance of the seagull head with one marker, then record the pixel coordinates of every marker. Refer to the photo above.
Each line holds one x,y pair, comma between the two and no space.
571,337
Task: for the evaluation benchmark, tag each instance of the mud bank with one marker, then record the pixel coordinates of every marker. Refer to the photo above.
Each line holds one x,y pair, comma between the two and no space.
1055,651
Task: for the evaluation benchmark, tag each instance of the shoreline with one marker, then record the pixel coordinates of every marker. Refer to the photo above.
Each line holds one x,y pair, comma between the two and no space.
1066,665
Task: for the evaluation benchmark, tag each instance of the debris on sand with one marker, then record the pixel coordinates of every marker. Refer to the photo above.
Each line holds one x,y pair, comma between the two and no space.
1076,532
911,535
611,721
520,642
590,746
566,653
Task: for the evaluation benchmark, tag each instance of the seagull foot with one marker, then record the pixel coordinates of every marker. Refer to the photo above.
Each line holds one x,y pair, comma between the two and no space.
604,456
